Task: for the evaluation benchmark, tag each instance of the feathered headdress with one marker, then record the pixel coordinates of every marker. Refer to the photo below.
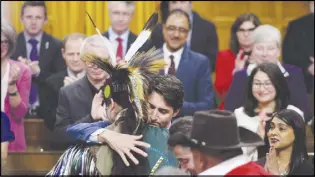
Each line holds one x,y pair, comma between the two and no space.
134,75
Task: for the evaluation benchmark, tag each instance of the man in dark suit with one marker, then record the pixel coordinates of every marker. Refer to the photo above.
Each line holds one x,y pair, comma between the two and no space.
120,14
298,48
75,100
191,68
75,70
39,50
202,37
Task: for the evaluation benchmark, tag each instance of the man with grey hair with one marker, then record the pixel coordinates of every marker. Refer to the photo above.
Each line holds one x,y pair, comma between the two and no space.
267,48
120,14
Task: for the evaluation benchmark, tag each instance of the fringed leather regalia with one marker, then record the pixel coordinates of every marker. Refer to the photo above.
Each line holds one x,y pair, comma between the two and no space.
132,77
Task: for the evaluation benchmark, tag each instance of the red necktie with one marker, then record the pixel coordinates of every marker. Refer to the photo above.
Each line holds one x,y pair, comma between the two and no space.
171,69
119,54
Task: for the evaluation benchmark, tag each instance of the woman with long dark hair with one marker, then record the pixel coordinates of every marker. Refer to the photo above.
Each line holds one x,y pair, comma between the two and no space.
266,92
287,154
236,57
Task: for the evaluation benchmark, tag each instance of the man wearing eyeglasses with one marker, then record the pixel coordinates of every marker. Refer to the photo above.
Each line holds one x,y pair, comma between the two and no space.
191,68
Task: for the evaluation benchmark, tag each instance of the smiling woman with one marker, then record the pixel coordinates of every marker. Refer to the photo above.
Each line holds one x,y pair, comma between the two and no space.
267,92
287,155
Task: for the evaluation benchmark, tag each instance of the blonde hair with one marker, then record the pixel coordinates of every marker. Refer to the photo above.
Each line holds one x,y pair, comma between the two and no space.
266,33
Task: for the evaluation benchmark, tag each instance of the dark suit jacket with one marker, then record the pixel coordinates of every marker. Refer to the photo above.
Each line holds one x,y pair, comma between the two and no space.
236,95
74,106
194,73
54,83
50,60
298,46
204,38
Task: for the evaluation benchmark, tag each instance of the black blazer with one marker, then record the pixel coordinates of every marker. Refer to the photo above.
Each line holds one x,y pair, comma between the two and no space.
50,61
298,46
74,106
204,38
306,168
53,83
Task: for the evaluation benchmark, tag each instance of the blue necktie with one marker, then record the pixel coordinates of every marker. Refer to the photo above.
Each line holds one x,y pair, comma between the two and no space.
33,57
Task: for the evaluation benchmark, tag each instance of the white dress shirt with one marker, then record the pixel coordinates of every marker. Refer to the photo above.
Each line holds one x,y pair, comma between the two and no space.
113,36
177,56
226,166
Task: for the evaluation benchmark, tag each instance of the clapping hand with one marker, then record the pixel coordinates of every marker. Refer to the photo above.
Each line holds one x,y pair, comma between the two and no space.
14,73
271,164
33,65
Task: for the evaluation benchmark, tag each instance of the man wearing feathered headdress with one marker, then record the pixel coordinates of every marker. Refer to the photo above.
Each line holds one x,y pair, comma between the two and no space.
126,94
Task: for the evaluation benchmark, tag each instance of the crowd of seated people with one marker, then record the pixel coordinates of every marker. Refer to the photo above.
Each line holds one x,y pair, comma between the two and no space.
265,103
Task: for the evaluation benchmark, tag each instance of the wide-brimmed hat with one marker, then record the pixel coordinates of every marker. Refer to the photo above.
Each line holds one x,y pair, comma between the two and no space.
218,130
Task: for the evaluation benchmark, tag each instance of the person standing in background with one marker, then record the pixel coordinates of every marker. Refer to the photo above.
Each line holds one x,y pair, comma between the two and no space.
38,50
15,87
298,49
75,70
237,57
202,36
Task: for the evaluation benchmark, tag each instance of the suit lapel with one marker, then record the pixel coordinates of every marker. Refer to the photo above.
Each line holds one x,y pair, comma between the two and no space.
43,51
183,66
85,92
106,35
131,38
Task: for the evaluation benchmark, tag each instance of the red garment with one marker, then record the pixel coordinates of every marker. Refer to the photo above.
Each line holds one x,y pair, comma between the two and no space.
250,168
224,67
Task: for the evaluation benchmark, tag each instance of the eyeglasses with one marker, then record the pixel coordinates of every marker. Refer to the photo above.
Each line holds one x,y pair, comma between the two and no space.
91,65
242,30
267,85
4,42
172,29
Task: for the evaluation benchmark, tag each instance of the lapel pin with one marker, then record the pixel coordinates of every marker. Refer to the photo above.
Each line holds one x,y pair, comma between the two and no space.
47,45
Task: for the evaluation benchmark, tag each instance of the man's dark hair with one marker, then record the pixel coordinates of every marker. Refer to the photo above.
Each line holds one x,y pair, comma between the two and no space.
179,131
34,3
170,88
179,12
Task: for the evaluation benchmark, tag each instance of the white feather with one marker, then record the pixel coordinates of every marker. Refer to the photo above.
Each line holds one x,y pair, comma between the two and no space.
142,38
109,47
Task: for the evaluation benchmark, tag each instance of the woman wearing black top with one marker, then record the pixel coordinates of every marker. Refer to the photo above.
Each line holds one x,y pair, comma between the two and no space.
287,154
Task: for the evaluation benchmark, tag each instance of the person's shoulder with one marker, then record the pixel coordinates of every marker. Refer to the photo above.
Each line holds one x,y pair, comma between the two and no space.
226,54
201,20
56,76
51,38
197,56
302,20
70,87
291,68
250,168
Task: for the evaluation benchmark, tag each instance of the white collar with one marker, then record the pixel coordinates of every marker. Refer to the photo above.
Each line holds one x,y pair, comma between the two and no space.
28,37
226,166
79,75
113,35
251,67
176,54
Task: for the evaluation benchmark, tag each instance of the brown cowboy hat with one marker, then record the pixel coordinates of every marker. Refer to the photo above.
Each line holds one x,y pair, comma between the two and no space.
218,130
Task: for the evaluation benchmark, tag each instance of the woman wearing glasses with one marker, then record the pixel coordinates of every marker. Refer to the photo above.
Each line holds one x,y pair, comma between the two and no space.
15,87
266,92
267,48
236,58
